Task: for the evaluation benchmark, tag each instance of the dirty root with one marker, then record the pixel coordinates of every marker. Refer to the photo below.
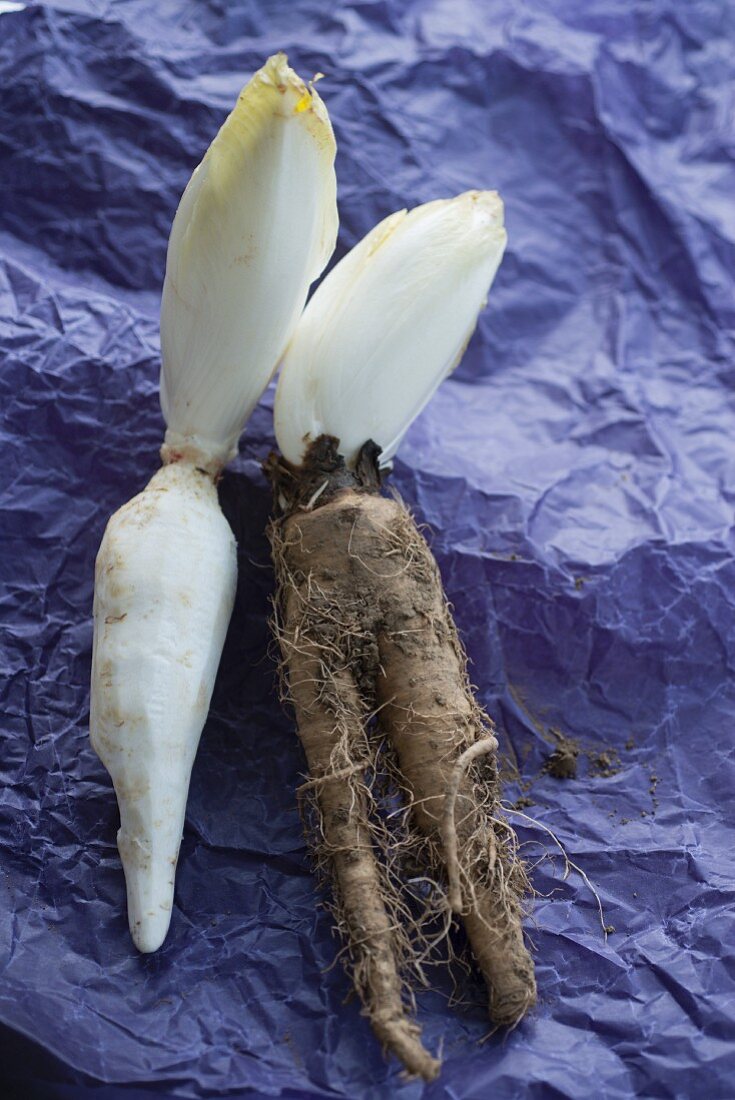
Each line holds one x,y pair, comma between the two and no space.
402,802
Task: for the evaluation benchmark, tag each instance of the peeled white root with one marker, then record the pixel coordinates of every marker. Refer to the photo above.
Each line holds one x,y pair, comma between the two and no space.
255,226
164,589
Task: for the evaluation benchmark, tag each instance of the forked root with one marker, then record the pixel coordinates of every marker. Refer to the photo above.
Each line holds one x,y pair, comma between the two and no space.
364,628
330,726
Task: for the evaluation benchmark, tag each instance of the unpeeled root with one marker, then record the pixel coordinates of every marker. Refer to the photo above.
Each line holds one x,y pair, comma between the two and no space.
327,731
438,729
364,628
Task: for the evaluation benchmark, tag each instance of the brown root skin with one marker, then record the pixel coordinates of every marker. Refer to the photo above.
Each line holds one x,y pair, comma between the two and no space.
364,628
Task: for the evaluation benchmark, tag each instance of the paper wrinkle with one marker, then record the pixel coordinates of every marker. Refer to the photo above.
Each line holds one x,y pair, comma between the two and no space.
576,476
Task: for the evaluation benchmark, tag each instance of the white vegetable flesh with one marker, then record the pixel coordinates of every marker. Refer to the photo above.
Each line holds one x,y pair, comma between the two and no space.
255,226
388,324
164,589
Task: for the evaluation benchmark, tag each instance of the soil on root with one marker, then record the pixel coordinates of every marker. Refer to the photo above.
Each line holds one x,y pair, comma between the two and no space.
402,801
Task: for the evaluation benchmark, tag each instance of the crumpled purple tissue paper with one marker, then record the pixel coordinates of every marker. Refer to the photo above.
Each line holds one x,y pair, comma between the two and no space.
577,474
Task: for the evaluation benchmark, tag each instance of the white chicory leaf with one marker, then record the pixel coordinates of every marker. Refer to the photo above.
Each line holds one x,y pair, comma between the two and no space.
256,225
388,324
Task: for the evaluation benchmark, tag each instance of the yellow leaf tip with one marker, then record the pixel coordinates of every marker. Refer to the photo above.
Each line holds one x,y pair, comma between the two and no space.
304,103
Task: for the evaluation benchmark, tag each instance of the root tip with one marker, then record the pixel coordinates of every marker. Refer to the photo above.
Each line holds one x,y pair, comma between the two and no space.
509,1008
401,1038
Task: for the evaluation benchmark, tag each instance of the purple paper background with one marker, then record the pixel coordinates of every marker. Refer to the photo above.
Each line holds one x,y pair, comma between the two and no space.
578,472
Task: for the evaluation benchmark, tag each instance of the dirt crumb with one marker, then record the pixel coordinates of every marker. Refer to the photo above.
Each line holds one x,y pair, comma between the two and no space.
604,764
562,762
523,803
